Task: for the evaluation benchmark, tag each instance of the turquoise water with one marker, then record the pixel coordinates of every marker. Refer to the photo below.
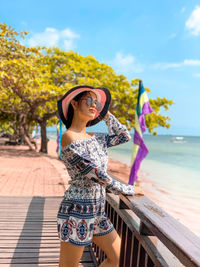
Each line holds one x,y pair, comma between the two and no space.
168,163
162,149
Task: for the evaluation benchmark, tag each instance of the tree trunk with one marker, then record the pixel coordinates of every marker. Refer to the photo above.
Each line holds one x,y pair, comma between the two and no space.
44,140
23,132
28,142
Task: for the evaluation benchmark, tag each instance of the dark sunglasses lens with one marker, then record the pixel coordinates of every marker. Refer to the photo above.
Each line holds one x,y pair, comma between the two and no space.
90,102
98,106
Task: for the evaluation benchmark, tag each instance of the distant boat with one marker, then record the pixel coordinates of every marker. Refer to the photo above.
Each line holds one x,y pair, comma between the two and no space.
178,139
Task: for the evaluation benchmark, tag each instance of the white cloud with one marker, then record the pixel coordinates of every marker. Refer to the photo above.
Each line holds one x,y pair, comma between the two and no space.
186,62
24,23
54,37
68,44
69,34
191,62
183,9
126,64
197,75
172,36
124,61
193,23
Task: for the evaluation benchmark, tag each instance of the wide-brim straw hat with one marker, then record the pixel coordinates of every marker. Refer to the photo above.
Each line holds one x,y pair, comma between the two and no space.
103,96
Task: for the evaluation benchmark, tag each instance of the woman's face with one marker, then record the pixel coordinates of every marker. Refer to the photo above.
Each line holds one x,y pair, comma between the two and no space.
85,109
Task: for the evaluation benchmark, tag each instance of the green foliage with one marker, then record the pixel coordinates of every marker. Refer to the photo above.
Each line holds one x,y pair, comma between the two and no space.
33,79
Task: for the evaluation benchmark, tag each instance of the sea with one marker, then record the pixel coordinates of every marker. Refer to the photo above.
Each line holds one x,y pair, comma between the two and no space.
173,161
173,167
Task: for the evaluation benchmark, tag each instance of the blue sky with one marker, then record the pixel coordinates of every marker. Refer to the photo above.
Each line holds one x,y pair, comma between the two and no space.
156,41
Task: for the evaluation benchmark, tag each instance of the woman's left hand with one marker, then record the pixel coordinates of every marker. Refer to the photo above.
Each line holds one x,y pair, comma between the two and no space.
107,115
138,191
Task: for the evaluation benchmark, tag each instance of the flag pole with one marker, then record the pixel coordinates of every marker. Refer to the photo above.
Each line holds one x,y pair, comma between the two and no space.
59,136
140,150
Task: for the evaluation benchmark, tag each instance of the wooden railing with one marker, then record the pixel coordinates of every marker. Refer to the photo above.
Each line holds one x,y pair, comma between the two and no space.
149,236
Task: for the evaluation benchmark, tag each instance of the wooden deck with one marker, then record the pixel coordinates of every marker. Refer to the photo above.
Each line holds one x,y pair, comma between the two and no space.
28,232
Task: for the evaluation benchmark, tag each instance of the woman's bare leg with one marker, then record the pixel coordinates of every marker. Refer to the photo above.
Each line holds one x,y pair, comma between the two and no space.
70,255
110,244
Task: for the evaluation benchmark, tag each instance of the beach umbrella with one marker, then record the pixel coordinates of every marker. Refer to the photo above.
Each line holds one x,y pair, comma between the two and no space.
140,150
36,132
59,136
37,136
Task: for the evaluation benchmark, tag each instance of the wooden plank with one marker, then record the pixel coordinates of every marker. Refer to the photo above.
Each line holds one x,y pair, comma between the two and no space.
144,230
25,256
30,238
183,243
29,227
123,244
145,241
53,264
129,249
28,235
36,260
42,249
28,241
12,231
26,247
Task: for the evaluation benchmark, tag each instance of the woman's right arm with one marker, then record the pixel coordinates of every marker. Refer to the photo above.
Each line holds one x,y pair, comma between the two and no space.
117,132
87,167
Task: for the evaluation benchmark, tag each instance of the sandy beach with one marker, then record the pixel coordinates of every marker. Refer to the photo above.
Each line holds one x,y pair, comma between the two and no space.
55,180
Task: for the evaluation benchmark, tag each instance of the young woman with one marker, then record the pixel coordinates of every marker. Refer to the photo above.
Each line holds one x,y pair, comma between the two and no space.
81,217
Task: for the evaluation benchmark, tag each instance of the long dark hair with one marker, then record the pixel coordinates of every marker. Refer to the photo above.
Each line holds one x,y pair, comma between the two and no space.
70,112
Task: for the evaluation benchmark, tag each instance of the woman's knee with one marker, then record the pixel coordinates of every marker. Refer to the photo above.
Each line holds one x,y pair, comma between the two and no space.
110,244
70,255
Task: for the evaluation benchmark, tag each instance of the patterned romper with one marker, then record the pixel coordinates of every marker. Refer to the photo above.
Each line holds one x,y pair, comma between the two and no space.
82,211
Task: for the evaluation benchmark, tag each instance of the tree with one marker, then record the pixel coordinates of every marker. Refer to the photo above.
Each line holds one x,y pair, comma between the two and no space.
33,79
26,90
15,72
68,69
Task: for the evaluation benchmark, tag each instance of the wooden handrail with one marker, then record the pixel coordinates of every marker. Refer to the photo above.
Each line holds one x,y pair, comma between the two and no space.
183,243
141,224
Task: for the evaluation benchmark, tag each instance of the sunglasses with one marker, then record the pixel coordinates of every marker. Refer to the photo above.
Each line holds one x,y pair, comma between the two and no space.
90,101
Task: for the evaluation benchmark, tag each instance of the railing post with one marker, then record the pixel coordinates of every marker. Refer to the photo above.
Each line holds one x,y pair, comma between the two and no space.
137,249
144,230
129,248
123,244
122,205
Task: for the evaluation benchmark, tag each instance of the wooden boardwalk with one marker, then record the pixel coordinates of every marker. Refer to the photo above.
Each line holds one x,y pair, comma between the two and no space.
28,232
32,186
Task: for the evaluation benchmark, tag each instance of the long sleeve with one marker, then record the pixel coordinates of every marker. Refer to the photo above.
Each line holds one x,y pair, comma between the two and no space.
117,132
87,168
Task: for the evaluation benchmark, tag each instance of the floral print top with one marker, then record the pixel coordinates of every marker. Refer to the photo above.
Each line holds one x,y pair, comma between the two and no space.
86,162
